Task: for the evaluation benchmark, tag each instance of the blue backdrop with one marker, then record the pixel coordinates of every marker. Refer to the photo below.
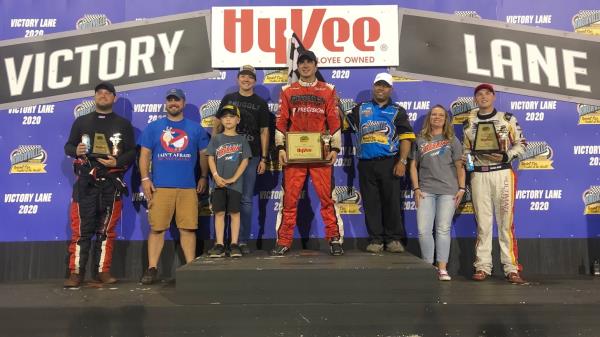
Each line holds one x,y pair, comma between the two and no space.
36,192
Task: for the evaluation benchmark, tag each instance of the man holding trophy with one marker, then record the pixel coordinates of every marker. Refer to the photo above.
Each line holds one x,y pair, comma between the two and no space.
308,138
103,146
493,139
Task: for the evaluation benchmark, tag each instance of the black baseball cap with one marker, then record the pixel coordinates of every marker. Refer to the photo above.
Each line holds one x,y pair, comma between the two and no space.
228,109
307,54
106,86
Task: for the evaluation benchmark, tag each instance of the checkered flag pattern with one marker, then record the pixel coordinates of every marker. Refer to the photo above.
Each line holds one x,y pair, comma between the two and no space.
534,149
584,109
592,195
468,14
24,153
210,108
84,108
462,105
343,193
346,104
295,47
586,17
92,20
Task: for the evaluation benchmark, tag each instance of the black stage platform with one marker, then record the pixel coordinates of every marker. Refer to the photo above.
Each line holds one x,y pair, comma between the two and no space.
307,276
306,294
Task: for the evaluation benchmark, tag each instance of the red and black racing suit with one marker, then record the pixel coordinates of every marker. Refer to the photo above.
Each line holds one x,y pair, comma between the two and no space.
96,201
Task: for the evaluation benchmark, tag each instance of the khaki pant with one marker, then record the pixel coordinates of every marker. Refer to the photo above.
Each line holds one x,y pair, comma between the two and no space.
494,194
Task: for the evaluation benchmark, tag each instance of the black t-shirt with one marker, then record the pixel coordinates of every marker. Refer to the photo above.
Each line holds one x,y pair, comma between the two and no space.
109,125
254,113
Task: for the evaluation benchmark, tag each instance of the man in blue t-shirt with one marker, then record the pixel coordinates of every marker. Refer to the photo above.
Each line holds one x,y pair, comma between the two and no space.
172,145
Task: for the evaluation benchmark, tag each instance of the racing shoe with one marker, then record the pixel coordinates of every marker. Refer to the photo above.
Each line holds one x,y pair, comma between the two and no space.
515,278
279,250
479,276
335,247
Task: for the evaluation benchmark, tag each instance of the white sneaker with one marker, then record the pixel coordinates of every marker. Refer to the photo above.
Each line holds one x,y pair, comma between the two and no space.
443,275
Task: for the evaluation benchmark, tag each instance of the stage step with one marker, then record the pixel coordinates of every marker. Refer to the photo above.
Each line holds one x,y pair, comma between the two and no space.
308,276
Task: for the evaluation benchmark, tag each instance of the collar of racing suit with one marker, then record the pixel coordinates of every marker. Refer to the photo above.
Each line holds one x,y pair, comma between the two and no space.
308,84
382,107
488,116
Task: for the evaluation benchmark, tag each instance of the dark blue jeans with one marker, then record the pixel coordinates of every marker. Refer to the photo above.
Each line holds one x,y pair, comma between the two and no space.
249,177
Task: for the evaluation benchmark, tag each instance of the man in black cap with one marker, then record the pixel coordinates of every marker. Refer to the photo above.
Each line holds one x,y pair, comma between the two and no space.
254,125
103,146
308,105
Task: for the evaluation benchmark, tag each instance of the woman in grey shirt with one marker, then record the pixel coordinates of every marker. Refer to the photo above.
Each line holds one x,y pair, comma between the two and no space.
438,180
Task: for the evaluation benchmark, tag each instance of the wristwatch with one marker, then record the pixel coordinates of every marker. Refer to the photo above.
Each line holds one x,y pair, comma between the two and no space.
403,161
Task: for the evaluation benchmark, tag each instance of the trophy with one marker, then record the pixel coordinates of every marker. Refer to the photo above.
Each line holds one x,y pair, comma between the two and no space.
100,147
326,138
503,138
306,147
115,139
486,139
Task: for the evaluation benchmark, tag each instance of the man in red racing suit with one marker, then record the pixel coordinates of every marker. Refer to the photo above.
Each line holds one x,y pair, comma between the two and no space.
308,105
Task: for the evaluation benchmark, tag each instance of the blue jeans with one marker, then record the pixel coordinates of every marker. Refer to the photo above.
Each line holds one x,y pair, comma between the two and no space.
439,208
249,179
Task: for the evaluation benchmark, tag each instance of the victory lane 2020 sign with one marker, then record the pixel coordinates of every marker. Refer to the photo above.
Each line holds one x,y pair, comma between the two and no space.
132,55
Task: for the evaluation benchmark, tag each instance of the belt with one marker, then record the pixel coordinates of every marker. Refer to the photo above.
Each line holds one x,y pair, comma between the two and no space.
378,158
491,168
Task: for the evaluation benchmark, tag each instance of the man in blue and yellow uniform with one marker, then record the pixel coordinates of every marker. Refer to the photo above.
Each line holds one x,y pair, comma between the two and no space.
384,140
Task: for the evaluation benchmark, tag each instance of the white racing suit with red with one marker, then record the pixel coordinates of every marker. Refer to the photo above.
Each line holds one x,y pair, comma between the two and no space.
308,107
493,187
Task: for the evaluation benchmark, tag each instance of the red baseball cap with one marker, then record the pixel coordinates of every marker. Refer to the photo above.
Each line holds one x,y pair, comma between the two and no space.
484,86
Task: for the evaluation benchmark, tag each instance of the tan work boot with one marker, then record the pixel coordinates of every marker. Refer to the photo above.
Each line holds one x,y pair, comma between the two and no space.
73,281
106,278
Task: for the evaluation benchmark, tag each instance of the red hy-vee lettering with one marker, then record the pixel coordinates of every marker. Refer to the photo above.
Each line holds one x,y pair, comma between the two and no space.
335,31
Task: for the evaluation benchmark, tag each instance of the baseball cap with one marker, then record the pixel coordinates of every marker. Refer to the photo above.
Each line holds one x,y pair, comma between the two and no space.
484,86
307,54
247,70
228,109
176,92
387,78
106,86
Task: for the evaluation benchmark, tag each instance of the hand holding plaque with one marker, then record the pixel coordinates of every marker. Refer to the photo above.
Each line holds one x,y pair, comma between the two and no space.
307,147
486,139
